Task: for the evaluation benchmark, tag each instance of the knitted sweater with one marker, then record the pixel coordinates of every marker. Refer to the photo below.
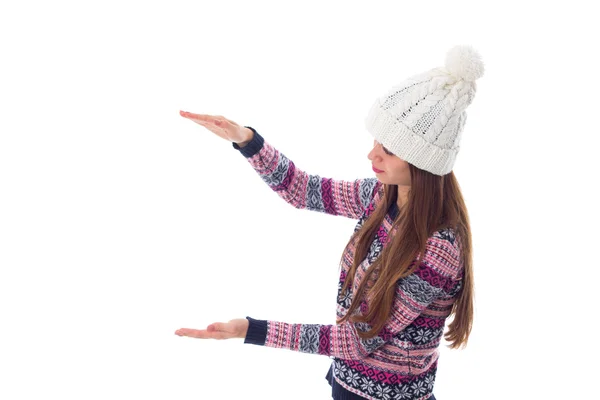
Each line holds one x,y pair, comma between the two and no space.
401,361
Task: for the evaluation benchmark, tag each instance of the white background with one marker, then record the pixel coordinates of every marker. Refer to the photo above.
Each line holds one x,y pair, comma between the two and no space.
121,222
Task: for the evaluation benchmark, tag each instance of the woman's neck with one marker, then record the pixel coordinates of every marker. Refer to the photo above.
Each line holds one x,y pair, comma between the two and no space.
402,197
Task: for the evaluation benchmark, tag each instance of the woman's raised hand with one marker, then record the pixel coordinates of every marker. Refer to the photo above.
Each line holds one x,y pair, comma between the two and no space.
221,126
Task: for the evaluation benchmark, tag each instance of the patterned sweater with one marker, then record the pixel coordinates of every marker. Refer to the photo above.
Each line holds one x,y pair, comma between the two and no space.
401,361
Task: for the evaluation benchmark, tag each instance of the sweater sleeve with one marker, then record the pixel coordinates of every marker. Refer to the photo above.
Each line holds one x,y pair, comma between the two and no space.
437,276
305,191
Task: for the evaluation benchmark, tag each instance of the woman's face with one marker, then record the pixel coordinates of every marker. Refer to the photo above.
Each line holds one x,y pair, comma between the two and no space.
394,170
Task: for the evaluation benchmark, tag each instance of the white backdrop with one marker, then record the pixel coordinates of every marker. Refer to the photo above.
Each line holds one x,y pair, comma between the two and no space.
121,222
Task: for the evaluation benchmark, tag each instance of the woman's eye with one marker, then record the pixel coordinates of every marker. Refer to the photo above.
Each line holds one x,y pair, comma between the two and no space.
387,151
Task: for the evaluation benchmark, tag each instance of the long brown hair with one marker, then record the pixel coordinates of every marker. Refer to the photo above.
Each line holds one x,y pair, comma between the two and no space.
434,202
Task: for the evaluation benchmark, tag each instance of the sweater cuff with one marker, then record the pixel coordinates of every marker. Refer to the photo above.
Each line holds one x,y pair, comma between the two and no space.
257,332
253,145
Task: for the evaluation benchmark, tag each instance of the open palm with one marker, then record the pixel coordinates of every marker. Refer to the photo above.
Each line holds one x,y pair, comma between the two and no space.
236,328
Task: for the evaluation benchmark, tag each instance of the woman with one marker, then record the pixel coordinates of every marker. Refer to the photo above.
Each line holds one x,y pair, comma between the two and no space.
408,265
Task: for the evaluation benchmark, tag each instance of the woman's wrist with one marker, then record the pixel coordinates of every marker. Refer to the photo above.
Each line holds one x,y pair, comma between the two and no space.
250,137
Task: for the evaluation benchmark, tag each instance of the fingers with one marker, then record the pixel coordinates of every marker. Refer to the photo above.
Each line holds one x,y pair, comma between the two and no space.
199,117
214,331
212,119
194,333
217,124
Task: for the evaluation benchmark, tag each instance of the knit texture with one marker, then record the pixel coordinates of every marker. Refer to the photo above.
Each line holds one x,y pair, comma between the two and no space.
421,120
401,361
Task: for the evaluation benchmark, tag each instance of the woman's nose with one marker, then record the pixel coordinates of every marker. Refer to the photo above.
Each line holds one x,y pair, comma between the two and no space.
373,153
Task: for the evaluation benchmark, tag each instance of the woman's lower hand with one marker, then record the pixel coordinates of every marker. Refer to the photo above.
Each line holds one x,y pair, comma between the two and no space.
236,328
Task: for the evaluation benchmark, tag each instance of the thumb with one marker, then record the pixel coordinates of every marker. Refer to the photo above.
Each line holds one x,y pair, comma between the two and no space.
217,327
219,330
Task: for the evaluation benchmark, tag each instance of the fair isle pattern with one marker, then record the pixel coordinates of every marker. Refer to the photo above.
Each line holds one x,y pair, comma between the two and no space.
304,191
400,362
355,377
414,294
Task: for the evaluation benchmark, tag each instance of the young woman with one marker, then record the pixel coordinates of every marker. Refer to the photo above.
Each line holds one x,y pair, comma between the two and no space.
408,266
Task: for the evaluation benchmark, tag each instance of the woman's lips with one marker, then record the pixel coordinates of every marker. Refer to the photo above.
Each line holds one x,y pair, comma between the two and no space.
377,170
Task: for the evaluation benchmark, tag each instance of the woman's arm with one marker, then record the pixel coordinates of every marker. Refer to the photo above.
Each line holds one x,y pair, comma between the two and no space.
303,190
437,276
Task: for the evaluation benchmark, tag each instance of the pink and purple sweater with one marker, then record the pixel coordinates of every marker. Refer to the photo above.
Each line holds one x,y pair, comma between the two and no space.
401,361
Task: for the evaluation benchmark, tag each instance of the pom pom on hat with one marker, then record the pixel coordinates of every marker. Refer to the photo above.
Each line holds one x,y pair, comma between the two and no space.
464,62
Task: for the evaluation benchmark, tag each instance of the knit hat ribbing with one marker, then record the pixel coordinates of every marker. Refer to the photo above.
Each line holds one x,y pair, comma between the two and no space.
421,120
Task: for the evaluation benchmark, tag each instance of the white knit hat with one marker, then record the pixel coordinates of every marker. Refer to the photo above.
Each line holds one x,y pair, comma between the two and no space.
421,120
